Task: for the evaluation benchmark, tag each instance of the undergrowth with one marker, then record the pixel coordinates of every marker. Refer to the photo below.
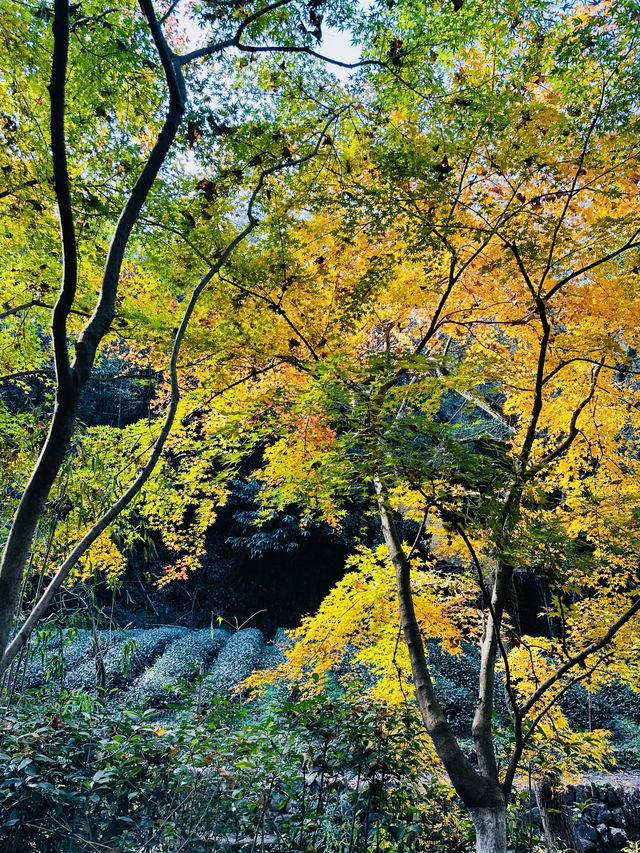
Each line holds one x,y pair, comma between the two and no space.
288,773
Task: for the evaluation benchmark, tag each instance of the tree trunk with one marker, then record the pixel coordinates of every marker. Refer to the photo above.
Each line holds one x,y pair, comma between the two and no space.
71,379
556,823
32,502
491,829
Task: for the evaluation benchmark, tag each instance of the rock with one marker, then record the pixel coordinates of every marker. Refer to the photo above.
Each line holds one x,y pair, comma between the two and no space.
618,837
586,831
583,793
632,817
536,819
588,836
609,796
619,818
569,795
603,833
602,814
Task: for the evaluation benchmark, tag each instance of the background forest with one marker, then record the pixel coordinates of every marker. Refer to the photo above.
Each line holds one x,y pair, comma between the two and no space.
319,316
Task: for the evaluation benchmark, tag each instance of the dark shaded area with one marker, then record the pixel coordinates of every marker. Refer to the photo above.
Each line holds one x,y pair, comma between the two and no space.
266,577
117,394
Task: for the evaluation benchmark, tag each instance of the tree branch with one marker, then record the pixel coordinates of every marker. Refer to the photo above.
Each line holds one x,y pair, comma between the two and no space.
571,193
67,292
536,407
24,307
102,317
630,244
573,430
581,656
14,648
235,42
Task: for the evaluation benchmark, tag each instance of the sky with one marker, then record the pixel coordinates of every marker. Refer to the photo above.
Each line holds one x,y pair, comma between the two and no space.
335,44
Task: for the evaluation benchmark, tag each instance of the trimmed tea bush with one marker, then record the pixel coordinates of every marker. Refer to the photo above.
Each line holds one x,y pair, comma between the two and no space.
53,655
125,655
241,655
180,662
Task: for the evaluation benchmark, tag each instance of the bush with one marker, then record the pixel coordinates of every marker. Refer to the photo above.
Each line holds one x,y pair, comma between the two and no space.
617,696
326,774
273,654
241,655
180,662
125,655
53,655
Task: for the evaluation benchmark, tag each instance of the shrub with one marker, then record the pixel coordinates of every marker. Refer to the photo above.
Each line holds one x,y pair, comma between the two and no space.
625,701
180,662
125,655
240,656
53,655
319,773
273,653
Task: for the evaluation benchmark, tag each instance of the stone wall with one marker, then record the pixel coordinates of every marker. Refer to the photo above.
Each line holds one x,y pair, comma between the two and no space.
607,818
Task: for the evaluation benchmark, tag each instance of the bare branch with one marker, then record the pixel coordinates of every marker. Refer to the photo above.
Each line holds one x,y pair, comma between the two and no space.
12,191
474,788
487,599
91,18
169,12
26,374
588,360
235,42
536,407
520,744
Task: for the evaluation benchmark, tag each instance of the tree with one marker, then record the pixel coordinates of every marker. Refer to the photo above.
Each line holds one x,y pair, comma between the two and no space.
99,54
503,273
473,238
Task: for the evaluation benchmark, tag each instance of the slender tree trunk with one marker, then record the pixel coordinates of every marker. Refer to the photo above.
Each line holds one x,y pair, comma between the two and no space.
29,510
70,379
491,829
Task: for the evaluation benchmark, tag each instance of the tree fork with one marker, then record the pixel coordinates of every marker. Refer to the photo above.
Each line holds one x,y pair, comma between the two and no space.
475,789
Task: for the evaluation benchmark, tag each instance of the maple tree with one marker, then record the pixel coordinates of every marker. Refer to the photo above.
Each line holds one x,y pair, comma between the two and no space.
95,53
438,316
504,274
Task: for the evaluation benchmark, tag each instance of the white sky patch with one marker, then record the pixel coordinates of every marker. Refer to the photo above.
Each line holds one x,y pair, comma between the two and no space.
337,44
